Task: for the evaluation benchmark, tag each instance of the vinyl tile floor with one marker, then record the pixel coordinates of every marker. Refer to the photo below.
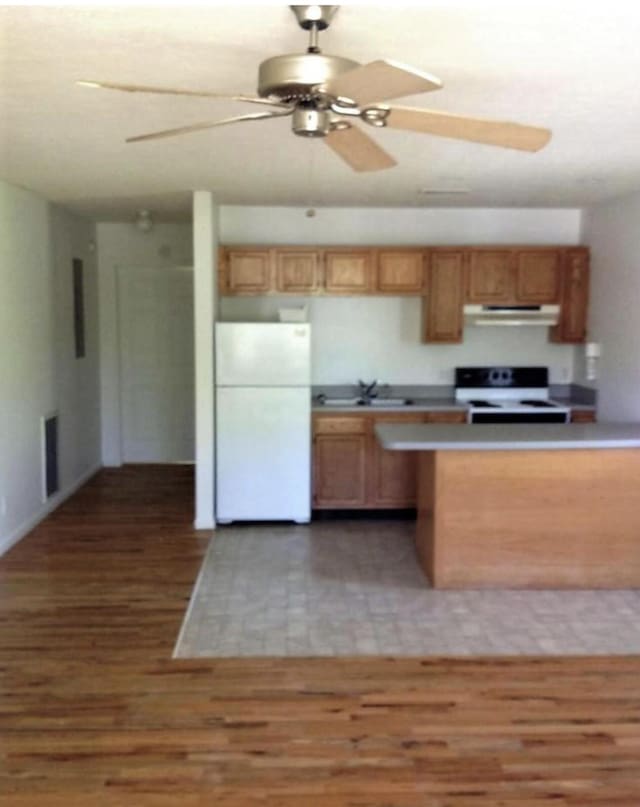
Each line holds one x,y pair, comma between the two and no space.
348,588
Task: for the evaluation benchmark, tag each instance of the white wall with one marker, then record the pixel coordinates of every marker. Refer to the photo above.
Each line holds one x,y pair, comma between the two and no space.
205,248
38,369
290,225
380,336
77,381
121,244
612,230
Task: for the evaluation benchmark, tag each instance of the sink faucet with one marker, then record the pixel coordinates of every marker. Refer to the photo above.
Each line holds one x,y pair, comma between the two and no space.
368,391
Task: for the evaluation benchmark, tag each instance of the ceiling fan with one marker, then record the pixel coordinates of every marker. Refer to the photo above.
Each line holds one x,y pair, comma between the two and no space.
325,94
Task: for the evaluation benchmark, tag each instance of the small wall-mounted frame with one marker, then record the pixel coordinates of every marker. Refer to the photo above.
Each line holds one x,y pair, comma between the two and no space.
50,459
78,308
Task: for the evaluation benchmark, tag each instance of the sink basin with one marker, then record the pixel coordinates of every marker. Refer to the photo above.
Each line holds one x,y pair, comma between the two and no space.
375,402
391,402
342,401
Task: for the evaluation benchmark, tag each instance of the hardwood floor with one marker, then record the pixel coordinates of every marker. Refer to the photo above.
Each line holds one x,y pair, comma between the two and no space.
94,712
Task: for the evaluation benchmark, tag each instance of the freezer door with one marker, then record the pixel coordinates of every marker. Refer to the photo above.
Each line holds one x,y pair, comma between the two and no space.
263,454
258,354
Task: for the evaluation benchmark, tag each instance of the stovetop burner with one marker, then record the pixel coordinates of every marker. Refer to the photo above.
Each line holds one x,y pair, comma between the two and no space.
483,404
537,403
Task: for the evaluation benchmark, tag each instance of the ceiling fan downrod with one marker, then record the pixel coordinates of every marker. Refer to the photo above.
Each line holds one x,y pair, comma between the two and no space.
314,19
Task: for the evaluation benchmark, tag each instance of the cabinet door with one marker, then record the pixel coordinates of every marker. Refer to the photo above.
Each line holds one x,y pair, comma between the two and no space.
348,271
538,276
490,276
223,272
583,416
400,271
249,271
297,271
574,299
339,462
393,474
442,307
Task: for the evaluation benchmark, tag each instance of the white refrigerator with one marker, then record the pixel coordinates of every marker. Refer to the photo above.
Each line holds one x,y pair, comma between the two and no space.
263,421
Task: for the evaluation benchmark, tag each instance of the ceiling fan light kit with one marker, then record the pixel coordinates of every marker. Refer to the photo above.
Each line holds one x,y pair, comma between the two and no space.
320,91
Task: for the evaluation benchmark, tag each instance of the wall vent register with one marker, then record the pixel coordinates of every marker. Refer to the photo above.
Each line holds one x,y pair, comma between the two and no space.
508,395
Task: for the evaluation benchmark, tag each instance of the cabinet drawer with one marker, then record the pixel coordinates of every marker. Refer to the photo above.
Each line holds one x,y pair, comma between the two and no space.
331,424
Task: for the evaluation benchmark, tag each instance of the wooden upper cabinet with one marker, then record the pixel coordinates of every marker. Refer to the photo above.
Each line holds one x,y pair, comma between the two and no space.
297,270
348,271
537,276
490,276
248,271
400,271
442,306
574,299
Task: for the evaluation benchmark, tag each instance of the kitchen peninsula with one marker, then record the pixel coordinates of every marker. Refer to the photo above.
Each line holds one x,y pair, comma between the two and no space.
507,506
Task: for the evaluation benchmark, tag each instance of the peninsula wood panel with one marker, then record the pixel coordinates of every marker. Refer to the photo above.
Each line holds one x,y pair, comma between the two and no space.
518,519
95,711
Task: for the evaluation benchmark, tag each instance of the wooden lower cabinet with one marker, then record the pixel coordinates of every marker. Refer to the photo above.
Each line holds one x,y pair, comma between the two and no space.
583,416
340,448
392,474
352,471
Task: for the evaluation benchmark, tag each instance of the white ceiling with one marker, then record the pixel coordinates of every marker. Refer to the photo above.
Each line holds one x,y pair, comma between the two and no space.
571,66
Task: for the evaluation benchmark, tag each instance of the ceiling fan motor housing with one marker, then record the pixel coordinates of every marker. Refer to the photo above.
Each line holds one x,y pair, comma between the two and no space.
299,76
309,121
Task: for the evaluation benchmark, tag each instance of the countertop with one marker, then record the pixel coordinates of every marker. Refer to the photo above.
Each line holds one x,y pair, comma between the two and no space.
424,398
507,436
418,405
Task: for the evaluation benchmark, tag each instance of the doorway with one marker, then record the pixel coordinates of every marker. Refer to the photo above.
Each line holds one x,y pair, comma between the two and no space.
155,311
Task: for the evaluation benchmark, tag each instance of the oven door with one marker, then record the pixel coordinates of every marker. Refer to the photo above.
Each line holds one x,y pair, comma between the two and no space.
554,416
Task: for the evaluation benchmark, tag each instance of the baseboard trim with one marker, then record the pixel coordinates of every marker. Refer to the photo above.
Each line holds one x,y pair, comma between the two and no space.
204,524
55,501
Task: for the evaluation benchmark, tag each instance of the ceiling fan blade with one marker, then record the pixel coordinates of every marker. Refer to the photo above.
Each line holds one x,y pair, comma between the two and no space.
380,81
196,127
479,130
107,85
358,150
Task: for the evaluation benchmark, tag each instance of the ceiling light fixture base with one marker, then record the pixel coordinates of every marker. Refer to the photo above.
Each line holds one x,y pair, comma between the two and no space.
318,17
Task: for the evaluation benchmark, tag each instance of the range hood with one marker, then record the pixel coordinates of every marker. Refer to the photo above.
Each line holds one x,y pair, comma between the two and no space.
544,315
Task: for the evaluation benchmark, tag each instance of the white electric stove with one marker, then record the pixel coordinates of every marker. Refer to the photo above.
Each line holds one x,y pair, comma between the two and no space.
508,395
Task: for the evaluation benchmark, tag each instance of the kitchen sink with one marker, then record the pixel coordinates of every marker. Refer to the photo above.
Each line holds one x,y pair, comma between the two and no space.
391,402
356,401
340,401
